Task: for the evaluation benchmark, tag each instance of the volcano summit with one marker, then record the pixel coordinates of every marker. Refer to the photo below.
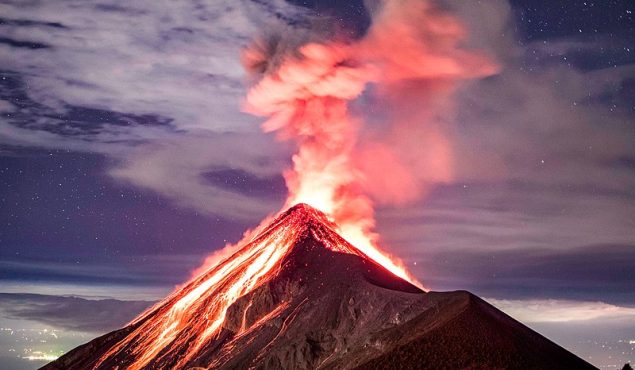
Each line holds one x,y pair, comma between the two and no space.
298,296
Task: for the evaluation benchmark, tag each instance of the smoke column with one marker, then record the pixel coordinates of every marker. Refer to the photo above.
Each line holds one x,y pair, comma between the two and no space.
410,52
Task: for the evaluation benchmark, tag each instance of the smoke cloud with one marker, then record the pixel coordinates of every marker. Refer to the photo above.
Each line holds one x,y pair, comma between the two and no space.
407,65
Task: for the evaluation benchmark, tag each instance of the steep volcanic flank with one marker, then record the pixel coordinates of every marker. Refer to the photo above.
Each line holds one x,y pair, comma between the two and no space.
300,297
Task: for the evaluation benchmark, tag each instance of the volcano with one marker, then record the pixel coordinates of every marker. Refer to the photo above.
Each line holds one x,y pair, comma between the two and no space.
299,296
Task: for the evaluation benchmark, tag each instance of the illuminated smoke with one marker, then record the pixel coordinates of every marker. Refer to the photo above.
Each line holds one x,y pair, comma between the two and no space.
305,93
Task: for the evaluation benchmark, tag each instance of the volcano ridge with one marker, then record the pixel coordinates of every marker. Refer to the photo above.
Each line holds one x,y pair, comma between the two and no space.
328,307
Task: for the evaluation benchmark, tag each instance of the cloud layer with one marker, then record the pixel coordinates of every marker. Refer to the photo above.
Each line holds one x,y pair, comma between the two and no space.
70,313
552,310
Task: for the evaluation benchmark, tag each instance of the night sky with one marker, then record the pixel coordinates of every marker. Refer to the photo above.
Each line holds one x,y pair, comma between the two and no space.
125,159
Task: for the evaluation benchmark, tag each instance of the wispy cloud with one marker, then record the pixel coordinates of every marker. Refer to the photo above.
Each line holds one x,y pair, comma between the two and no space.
593,272
175,60
70,313
127,271
154,87
553,310
179,168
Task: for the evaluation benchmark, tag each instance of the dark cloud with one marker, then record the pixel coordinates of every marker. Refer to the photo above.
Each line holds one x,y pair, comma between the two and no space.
23,44
624,162
86,123
134,271
28,23
181,169
597,272
71,313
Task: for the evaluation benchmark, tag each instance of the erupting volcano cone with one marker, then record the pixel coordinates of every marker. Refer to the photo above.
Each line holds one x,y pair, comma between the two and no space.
298,296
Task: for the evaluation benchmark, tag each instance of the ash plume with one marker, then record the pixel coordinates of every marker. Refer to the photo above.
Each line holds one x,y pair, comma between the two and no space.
412,57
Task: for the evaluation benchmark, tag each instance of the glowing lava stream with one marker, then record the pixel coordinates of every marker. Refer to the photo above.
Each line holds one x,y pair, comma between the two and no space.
193,315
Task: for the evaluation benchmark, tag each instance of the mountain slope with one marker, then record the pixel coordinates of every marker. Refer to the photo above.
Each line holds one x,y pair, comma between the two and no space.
323,304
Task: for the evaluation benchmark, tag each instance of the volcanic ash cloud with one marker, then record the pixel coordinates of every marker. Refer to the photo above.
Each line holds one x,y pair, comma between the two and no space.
411,56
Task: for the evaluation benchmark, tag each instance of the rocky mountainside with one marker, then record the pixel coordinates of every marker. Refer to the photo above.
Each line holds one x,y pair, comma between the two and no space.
324,305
